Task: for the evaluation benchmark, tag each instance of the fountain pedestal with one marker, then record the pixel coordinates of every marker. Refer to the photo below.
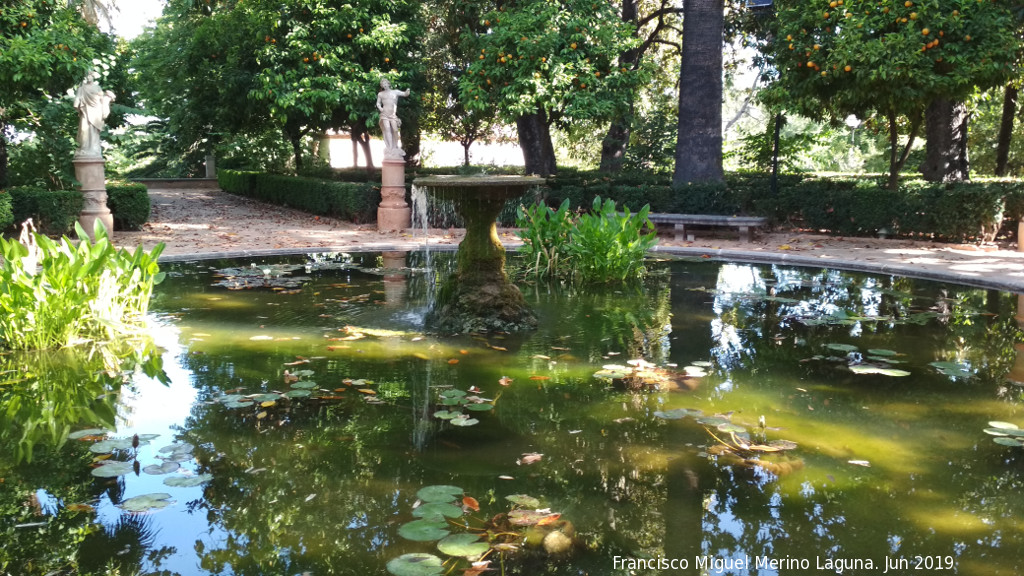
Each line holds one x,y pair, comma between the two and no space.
393,213
479,297
90,172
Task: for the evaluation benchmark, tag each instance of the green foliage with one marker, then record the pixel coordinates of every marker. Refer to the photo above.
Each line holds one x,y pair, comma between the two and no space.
129,203
6,212
545,235
601,246
53,211
91,291
356,202
558,58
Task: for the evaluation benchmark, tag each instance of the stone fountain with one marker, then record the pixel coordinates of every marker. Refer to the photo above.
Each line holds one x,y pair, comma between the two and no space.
478,297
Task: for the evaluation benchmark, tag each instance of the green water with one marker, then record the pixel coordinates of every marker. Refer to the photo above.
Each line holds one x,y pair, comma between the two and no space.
886,466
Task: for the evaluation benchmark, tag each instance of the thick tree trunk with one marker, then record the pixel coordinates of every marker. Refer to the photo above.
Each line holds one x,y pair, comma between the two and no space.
465,152
535,140
699,147
615,142
1005,129
946,146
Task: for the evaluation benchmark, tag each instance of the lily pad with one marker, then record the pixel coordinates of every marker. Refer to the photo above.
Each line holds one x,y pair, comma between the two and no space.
842,347
730,427
87,432
266,397
423,530
884,371
523,500
187,481
1003,425
435,510
463,421
146,502
613,374
304,385
882,352
238,404
298,393
480,407
179,447
165,468
439,493
112,469
448,414
677,413
953,369
695,371
713,421
453,393
1011,442
464,545
416,564
109,445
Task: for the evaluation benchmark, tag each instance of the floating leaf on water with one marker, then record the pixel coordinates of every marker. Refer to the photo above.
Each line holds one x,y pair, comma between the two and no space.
694,371
842,347
882,352
416,564
367,391
165,468
713,421
109,445
452,393
146,502
435,510
261,415
612,374
996,431
464,421
147,437
1011,442
112,469
268,403
87,432
528,517
298,393
730,427
480,407
439,493
783,444
303,373
464,545
678,413
886,359
187,481
265,397
523,500
239,404
953,369
702,363
179,447
423,530
304,385
1003,425
448,415
870,369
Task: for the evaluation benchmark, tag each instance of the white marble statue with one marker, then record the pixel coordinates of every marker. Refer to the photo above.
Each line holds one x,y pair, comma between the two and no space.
387,104
93,104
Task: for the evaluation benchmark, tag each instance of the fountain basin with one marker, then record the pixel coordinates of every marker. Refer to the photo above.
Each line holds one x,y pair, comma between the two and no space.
478,297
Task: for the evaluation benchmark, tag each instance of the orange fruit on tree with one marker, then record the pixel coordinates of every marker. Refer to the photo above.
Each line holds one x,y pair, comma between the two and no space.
847,68
925,32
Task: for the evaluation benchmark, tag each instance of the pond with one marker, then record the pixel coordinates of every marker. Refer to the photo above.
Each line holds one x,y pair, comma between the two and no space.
291,418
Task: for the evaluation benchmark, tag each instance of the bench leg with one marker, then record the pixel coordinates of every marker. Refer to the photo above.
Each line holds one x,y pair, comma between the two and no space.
680,230
745,233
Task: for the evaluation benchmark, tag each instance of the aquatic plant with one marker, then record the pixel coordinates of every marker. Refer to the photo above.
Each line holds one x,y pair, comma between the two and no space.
604,245
1006,434
55,294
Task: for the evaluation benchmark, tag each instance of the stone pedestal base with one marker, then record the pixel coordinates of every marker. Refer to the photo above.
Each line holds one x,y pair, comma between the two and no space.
393,213
90,173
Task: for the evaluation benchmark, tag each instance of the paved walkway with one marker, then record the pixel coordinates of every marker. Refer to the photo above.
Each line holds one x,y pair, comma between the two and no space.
209,223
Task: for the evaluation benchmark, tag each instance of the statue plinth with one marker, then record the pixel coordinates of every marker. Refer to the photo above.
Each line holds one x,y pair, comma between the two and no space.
393,213
90,173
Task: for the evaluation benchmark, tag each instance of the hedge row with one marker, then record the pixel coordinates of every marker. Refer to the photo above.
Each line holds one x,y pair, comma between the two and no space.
56,211
353,201
847,206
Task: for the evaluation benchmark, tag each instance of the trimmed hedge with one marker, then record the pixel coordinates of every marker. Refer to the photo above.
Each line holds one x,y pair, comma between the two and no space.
129,203
6,212
353,201
52,211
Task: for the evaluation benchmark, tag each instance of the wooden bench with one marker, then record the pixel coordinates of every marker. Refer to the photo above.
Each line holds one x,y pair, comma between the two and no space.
681,221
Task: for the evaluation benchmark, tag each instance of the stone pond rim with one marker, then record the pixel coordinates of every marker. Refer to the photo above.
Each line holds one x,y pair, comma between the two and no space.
478,297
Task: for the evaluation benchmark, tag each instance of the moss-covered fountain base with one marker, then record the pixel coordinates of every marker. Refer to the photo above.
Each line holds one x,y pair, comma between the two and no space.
478,297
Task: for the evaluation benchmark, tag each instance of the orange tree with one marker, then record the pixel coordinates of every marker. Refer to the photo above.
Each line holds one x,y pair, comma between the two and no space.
542,64
45,49
886,60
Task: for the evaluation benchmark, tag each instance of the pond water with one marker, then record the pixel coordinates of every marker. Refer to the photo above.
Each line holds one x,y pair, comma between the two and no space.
833,423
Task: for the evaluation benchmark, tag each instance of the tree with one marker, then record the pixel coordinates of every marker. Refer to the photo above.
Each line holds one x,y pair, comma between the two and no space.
699,147
542,64
1006,128
45,49
887,60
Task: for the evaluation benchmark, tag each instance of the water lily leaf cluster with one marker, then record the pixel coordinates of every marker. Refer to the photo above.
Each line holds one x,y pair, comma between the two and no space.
1006,434
453,403
874,361
639,374
277,277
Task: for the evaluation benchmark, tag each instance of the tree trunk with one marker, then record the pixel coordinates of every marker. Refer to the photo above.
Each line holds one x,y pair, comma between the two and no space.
896,159
360,137
946,146
3,158
465,152
535,140
699,147
615,142
1005,129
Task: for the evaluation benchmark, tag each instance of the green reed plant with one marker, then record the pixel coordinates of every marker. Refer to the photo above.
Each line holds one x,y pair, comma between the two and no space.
61,293
545,235
604,245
